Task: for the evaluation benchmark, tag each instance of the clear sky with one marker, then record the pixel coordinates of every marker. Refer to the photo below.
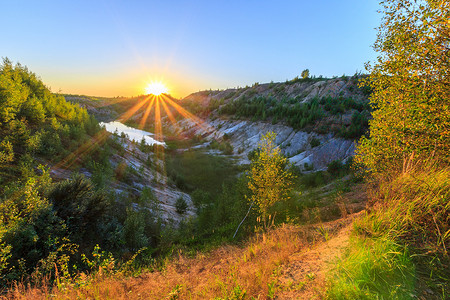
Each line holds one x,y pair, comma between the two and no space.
115,47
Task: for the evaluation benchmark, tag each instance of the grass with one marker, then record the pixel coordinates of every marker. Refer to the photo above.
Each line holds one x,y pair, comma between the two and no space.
233,271
194,169
229,272
374,269
400,249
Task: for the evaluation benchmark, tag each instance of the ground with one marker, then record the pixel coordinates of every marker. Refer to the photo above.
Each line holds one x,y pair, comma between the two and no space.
287,262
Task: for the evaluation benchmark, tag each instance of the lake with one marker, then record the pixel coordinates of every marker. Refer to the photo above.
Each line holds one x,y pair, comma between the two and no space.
132,133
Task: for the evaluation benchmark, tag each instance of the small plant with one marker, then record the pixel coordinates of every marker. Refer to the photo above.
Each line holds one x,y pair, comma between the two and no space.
314,142
175,293
270,181
308,167
271,290
324,232
181,206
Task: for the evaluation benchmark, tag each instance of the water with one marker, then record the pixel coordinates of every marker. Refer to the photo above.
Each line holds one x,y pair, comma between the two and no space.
132,133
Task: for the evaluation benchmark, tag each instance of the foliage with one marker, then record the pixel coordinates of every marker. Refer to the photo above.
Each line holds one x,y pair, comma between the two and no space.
193,170
304,116
269,180
314,142
218,196
305,73
297,115
81,207
410,84
34,121
373,269
30,232
181,205
223,146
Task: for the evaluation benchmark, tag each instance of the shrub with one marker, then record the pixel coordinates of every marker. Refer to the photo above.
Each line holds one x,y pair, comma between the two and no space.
305,73
314,142
181,206
336,168
80,205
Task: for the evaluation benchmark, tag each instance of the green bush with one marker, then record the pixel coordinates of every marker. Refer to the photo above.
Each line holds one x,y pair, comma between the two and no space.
181,206
82,207
314,179
314,142
336,168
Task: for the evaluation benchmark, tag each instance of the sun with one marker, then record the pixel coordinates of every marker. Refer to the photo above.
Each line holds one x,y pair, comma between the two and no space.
156,88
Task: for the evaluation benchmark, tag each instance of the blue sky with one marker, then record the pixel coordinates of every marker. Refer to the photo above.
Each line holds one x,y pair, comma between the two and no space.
114,48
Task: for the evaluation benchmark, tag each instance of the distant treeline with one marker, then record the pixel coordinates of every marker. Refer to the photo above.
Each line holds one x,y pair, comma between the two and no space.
299,115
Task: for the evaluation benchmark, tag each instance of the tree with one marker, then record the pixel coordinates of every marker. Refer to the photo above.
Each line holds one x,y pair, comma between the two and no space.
305,73
269,179
411,88
81,206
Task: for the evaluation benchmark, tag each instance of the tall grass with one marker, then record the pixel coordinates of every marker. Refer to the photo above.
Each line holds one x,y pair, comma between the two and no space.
400,249
374,269
229,272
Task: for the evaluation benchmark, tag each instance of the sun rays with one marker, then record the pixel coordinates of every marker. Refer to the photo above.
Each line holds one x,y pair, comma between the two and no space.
151,106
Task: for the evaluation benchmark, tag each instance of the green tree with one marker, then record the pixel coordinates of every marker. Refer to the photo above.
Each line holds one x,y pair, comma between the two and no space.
411,88
269,179
305,73
81,206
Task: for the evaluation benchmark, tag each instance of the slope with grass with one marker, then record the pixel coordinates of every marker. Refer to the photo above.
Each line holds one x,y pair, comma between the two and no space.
288,262
399,250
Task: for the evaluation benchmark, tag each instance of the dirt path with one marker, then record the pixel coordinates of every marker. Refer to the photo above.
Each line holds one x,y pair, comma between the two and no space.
304,276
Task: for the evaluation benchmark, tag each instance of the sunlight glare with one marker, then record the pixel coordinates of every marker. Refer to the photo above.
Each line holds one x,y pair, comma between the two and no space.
156,88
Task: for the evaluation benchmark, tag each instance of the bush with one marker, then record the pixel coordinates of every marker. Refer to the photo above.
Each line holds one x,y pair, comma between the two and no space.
314,179
181,206
314,142
82,207
336,168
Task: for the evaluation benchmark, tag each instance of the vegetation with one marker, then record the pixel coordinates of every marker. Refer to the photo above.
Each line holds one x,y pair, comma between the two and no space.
46,227
226,273
33,121
298,115
400,248
411,121
269,180
305,74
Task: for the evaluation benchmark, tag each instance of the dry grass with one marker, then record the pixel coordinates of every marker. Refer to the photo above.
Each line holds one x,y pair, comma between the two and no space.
226,272
264,267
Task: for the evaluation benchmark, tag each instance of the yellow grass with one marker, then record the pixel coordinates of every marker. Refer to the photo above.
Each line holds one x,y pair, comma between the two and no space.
226,272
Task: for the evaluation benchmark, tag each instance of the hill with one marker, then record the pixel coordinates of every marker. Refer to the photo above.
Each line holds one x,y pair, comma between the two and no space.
316,119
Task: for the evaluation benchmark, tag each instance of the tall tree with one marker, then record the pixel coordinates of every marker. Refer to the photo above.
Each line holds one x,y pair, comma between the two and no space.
411,88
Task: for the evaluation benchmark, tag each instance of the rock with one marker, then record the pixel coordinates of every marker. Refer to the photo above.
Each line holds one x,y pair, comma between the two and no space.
244,136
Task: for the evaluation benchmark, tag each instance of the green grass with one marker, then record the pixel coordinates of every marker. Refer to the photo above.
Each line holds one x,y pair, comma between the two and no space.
376,268
195,169
400,249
